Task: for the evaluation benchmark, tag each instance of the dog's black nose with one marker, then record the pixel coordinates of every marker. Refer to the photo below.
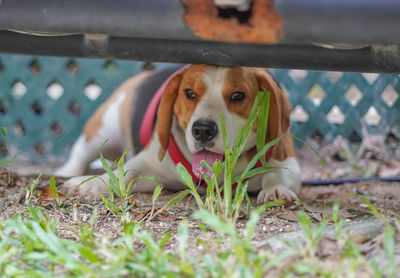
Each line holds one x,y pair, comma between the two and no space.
204,131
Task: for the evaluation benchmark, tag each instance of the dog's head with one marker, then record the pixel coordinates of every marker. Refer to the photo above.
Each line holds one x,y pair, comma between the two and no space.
196,97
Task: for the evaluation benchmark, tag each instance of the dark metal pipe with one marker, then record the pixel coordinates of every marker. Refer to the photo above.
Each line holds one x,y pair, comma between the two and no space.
345,22
350,180
367,59
138,18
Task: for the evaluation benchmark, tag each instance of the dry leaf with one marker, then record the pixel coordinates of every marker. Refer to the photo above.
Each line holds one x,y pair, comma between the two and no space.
324,195
312,209
288,215
48,195
142,215
318,216
167,216
389,169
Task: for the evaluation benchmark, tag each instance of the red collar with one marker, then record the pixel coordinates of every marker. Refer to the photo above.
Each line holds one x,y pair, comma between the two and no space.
177,156
146,130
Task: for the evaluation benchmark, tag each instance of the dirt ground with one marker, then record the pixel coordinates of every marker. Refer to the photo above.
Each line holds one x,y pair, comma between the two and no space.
315,200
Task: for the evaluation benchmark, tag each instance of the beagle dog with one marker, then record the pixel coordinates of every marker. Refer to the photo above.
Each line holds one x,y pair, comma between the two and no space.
173,115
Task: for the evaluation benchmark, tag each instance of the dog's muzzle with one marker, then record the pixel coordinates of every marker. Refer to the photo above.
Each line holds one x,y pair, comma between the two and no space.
204,131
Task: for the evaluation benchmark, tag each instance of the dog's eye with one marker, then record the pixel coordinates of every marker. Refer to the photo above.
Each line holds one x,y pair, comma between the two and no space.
237,96
190,94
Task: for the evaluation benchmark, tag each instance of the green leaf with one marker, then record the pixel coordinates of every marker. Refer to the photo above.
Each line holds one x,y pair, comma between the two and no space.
113,179
110,206
178,197
3,131
156,194
121,176
322,161
87,253
86,180
254,172
187,179
224,133
254,160
305,224
215,222
303,269
389,244
53,188
251,225
183,236
373,210
149,242
164,240
35,182
262,123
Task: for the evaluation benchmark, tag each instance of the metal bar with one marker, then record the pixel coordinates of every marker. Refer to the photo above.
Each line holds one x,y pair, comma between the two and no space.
342,22
367,59
138,18
345,22
350,180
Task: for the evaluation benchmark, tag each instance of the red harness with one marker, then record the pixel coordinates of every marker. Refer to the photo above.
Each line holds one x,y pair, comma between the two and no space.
146,130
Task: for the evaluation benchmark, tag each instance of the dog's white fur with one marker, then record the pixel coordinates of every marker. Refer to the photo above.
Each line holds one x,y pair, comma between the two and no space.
283,183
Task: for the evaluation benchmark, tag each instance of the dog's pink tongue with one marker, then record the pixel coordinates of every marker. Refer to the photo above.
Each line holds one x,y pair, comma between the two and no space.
208,157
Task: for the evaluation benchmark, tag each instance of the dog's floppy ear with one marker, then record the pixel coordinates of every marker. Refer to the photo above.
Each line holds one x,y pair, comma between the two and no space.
279,109
165,113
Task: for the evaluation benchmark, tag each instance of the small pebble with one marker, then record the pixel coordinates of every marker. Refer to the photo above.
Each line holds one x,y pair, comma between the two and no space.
390,196
289,229
269,220
85,217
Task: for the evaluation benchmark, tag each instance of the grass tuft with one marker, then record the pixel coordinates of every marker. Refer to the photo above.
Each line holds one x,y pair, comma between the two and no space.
120,200
31,246
218,199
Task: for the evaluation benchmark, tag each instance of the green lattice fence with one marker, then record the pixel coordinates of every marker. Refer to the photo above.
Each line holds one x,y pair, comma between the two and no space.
44,102
330,104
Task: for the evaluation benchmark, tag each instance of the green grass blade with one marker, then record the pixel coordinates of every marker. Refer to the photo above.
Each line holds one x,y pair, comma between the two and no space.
321,160
224,133
113,179
121,176
305,224
187,179
260,154
254,172
251,225
262,123
373,209
178,197
183,236
240,142
216,222
53,188
156,194
4,131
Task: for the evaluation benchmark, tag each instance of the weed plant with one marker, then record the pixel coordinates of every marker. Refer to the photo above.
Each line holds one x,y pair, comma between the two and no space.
218,199
30,246
119,201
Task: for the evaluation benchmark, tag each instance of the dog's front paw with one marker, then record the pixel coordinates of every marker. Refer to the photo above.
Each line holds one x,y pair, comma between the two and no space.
274,193
88,187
